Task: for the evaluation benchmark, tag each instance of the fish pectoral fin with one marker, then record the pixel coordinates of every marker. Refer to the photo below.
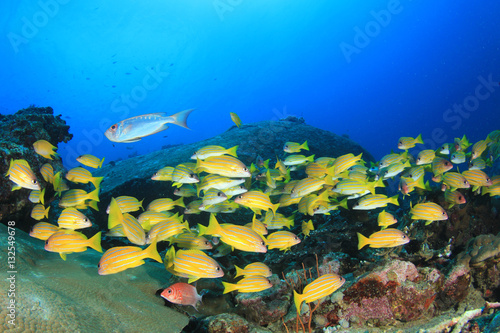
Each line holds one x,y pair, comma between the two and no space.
132,140
161,128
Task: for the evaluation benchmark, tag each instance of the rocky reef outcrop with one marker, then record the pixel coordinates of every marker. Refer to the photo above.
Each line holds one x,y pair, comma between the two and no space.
18,132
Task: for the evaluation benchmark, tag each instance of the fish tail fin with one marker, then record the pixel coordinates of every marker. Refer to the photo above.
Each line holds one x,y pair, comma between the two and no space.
228,287
115,216
10,167
96,181
42,195
95,242
94,195
100,163
239,271
275,207
232,151
298,299
304,146
180,202
362,241
169,257
394,200
202,230
310,158
180,118
93,204
46,212
199,165
152,252
419,139
343,203
213,226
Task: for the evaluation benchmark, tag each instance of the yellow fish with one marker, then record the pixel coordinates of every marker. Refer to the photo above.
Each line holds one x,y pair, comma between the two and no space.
223,165
217,182
21,174
193,264
37,196
118,259
405,143
321,287
282,240
164,204
257,226
455,180
39,212
440,165
253,269
249,284
428,211
237,236
425,157
90,161
372,201
73,219
235,119
454,198
213,196
77,197
69,241
45,149
385,219
294,147
43,230
344,162
166,229
149,218
83,176
182,174
185,191
298,160
209,151
383,238
307,227
127,204
190,240
309,185
478,148
131,227
256,201
164,174
477,178
47,172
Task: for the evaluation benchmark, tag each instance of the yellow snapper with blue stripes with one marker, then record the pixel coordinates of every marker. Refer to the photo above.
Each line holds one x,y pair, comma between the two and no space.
90,160
185,191
223,165
393,169
309,185
182,174
218,182
253,269
477,178
454,198
77,198
191,240
131,227
22,176
461,144
83,176
209,151
127,204
384,238
425,157
118,259
454,180
440,165
317,170
238,236
372,201
149,218
321,287
71,218
225,207
43,230
458,157
392,158
282,240
479,164
166,229
165,204
59,184
351,187
407,142
39,212
45,149
135,128
193,264
257,226
278,221
249,284
478,148
235,190
344,162
213,196
69,241
235,118
428,211
298,160
47,172
414,173
307,227
294,147
256,201
164,174
37,196
385,219
326,207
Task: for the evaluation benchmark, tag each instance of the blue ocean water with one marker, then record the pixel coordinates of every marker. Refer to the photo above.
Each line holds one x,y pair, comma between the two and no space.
374,70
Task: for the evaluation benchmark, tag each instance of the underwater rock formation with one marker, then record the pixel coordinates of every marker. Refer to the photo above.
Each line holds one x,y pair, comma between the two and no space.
264,139
70,296
18,132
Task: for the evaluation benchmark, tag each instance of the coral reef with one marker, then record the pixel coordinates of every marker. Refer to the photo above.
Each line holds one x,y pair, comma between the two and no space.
18,132
53,296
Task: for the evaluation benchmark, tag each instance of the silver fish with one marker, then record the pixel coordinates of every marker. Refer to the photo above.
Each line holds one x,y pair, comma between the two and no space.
135,128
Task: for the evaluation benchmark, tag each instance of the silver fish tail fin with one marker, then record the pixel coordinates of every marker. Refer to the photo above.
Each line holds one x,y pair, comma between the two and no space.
180,118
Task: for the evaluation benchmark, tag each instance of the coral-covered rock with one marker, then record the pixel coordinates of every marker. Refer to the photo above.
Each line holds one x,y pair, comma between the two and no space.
266,306
18,132
455,287
227,322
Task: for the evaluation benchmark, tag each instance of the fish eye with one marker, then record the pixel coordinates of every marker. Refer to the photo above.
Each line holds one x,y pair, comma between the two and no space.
444,213
85,220
99,265
465,182
240,197
400,142
207,243
217,268
245,169
34,181
418,158
169,291
113,127
155,174
191,175
262,243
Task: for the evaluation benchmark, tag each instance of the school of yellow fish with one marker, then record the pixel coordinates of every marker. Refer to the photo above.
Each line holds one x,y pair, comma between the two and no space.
217,182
